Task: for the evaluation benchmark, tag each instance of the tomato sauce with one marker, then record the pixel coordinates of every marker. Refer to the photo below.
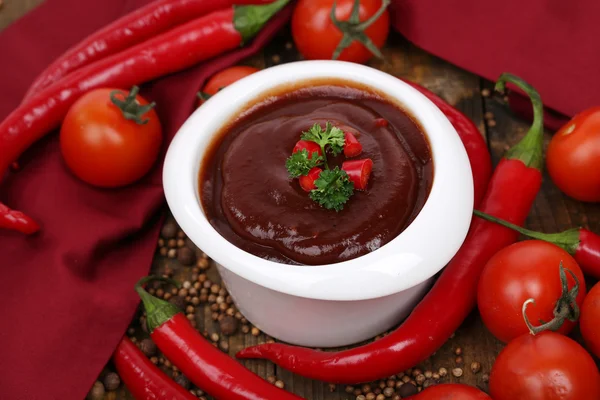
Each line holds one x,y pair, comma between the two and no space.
251,201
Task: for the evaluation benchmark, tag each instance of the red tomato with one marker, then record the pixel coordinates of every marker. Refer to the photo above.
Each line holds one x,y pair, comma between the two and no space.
225,78
311,147
573,156
103,148
452,391
307,182
589,321
316,36
548,366
522,271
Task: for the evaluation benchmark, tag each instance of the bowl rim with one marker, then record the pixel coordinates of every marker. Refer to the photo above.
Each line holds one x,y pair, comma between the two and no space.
404,262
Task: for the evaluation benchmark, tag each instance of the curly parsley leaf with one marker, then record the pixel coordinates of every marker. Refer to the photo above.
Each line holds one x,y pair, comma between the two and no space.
333,189
331,136
300,163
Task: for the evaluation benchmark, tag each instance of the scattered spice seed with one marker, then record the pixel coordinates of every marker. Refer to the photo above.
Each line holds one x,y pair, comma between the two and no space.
202,263
112,381
214,289
255,331
276,59
406,390
370,396
161,242
458,351
154,360
148,347
182,381
427,383
172,243
186,256
388,392
180,234
169,230
331,387
475,367
228,325
485,378
224,345
349,389
172,253
457,372
485,92
97,391
428,374
443,372
492,123
288,45
458,360
361,397
163,251
279,384
214,337
488,115
436,376
420,379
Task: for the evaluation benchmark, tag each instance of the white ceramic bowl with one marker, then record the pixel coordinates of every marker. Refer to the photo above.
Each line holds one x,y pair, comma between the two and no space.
343,303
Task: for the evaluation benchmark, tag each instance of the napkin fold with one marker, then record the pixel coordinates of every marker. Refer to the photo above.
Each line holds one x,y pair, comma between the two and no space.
68,291
552,44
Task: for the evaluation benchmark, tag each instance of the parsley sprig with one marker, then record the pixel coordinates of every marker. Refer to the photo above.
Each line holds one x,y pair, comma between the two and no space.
333,189
332,136
300,163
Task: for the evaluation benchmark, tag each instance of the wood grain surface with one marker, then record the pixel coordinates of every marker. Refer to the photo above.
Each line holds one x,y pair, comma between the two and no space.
552,211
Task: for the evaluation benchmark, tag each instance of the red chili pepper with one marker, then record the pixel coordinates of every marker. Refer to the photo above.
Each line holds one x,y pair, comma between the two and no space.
169,52
131,29
207,367
358,172
307,182
311,147
382,122
352,146
582,244
479,156
143,379
510,194
16,220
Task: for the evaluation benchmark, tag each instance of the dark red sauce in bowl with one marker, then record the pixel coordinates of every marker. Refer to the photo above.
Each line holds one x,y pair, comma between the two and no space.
251,201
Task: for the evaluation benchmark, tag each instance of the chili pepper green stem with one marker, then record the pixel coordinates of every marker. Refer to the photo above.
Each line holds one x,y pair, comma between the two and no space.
132,110
248,20
157,311
566,307
567,240
529,149
353,29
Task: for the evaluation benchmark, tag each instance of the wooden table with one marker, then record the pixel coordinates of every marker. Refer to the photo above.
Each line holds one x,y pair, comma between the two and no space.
552,211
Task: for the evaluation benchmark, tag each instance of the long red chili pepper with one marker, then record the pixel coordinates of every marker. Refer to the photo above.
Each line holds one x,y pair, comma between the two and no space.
172,51
510,194
131,29
208,368
143,379
582,244
479,156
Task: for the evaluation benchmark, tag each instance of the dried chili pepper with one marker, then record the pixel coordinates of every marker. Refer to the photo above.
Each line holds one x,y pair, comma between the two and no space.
208,368
169,52
143,379
510,194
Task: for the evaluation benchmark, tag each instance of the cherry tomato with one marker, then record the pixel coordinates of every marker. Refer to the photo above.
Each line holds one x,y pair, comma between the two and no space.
224,78
452,391
316,36
307,182
547,366
573,156
359,172
102,147
522,271
589,322
311,147
352,146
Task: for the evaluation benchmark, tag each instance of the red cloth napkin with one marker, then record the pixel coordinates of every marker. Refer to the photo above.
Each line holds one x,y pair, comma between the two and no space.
550,43
68,292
